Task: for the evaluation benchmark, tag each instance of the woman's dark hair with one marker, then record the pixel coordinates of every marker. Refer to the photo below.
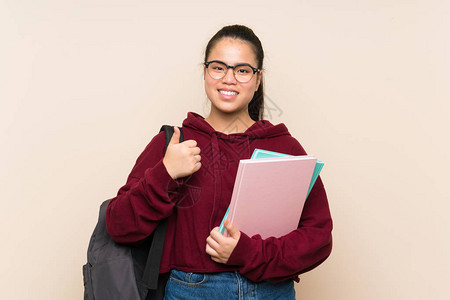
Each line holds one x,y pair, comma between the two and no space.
256,105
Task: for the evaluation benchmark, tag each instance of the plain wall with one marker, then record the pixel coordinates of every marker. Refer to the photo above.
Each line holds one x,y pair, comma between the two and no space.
363,85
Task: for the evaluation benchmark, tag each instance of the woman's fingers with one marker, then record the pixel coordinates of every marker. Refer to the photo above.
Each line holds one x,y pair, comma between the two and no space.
210,242
195,150
190,143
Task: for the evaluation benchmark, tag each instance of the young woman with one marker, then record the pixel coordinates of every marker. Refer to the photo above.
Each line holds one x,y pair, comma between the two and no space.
191,185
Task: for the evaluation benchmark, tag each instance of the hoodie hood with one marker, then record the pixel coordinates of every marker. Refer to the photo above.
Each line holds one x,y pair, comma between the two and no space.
260,129
240,144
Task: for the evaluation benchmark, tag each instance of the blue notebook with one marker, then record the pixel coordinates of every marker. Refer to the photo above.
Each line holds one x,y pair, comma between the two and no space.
259,153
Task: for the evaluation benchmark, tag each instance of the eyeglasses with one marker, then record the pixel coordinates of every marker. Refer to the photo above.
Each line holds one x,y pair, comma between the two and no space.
242,72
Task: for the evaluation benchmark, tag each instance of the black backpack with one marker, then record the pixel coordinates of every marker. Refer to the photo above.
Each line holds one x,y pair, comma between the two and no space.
119,272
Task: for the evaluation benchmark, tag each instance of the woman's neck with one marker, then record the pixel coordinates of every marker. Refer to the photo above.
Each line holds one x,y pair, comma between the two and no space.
229,123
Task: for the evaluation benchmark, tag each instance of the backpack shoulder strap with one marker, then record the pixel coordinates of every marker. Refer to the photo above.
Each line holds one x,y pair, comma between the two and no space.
151,272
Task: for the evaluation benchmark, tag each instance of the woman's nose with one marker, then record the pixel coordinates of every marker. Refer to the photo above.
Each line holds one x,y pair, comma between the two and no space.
229,76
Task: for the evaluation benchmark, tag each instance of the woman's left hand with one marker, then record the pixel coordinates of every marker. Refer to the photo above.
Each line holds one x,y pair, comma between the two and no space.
219,246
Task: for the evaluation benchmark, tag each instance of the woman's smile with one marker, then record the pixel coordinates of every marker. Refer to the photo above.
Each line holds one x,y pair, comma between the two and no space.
227,94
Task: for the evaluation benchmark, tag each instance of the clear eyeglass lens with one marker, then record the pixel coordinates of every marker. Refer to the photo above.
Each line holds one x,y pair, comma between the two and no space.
243,73
218,70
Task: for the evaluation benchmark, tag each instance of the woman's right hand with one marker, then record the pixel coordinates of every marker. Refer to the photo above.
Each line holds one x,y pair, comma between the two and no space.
181,159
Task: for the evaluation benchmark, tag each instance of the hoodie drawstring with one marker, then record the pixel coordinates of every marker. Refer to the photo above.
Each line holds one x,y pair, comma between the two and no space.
216,171
216,164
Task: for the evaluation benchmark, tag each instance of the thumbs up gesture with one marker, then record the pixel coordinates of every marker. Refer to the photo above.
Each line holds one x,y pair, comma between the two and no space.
181,159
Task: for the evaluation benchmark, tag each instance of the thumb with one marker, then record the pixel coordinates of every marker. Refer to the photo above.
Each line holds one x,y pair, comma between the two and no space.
176,136
233,231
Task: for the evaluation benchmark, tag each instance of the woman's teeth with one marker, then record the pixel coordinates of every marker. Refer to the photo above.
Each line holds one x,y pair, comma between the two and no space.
230,93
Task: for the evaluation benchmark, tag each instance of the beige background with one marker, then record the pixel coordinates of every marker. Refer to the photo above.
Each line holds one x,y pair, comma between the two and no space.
364,85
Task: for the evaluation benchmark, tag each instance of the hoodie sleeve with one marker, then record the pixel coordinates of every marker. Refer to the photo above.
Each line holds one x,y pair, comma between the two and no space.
147,197
297,252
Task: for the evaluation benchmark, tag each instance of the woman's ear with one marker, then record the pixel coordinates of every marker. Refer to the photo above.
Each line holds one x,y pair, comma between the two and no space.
204,72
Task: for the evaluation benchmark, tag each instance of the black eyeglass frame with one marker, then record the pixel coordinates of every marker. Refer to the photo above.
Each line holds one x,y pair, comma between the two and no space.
255,70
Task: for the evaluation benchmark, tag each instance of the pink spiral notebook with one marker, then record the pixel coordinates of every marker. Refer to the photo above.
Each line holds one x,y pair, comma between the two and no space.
269,194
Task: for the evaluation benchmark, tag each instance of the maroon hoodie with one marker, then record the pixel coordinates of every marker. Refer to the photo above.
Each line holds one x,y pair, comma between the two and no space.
196,204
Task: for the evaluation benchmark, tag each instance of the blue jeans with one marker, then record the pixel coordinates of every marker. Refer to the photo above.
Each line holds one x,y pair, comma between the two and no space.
224,285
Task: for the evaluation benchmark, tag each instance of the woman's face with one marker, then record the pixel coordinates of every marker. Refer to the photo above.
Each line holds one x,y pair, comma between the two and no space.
227,95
